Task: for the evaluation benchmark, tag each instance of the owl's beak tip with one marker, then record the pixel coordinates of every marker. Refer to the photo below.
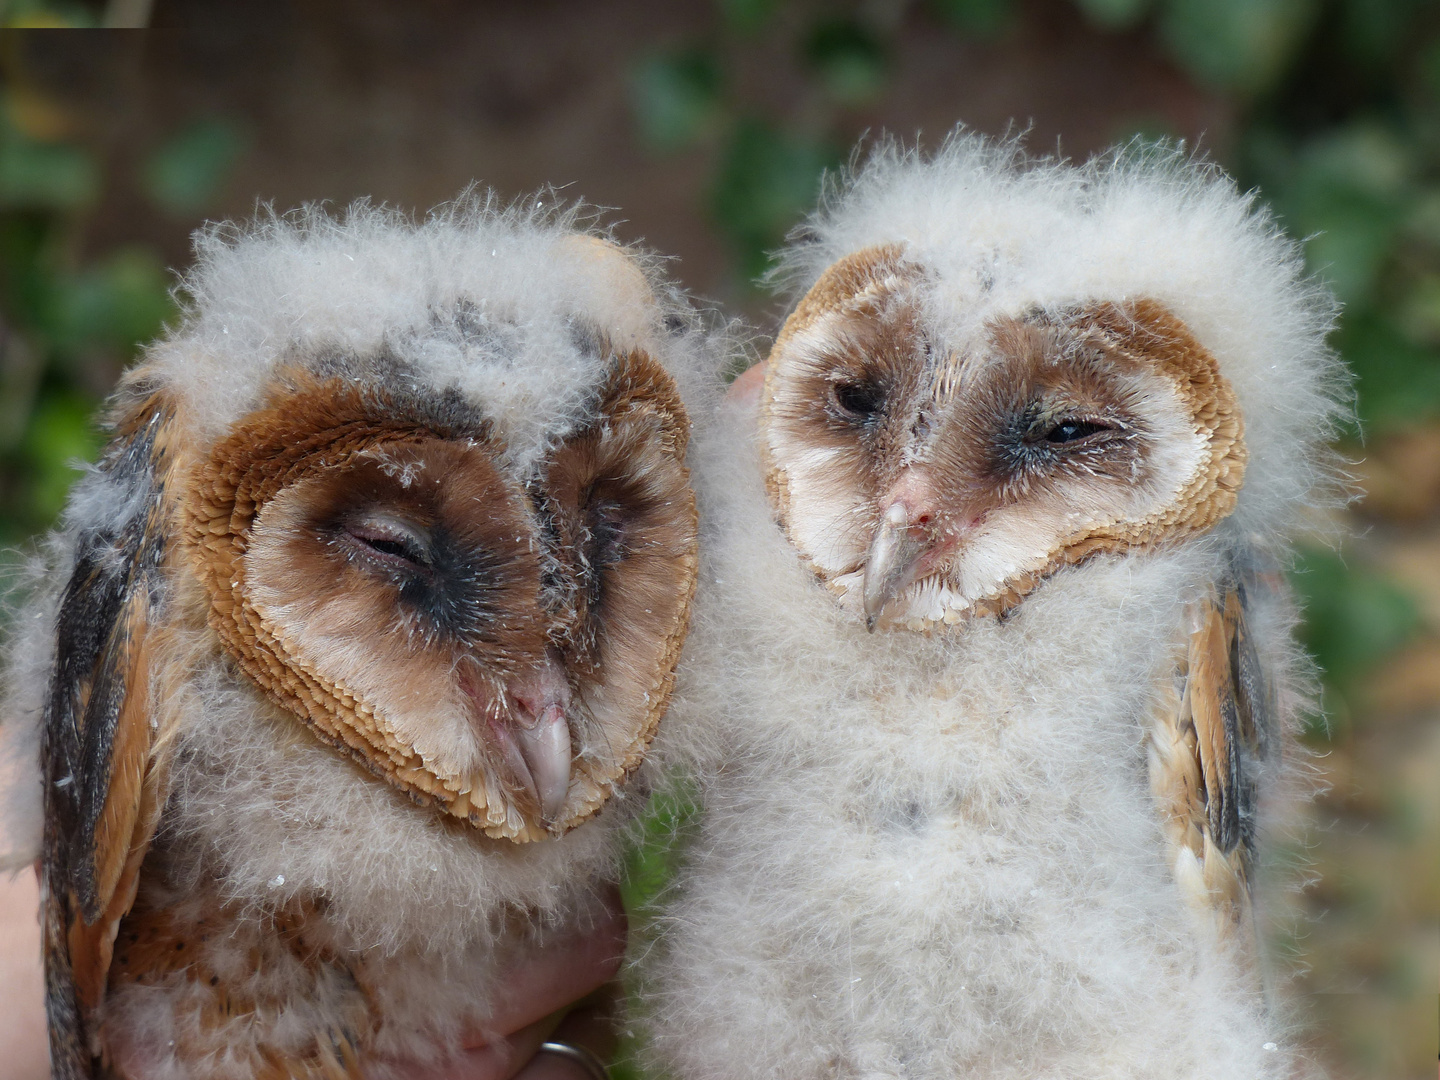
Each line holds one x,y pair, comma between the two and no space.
891,564
537,740
547,750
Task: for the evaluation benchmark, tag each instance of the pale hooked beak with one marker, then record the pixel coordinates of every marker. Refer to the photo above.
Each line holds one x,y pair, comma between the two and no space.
537,746
896,554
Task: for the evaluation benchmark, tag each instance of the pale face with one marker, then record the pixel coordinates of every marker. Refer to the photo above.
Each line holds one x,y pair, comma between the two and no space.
503,645
926,481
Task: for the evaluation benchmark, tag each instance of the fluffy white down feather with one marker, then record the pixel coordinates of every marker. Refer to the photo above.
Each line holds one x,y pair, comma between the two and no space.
926,857
260,810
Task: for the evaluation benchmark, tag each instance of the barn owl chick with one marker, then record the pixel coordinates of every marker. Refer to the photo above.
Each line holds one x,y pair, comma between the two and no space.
992,665
373,606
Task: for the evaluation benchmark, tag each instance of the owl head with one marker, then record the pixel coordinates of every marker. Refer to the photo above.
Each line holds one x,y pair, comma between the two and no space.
1000,368
435,502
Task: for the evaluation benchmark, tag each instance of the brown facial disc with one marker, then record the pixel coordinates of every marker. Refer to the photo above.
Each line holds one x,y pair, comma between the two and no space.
856,346
311,429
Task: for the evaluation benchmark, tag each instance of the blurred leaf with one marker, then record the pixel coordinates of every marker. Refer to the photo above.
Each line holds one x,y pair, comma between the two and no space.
1398,381
1363,156
1373,31
651,863
1429,68
114,305
1419,311
186,173
1355,237
60,432
46,15
1352,190
43,175
747,16
1423,220
1242,45
766,182
38,116
1353,616
1114,14
676,97
25,283
849,59
983,18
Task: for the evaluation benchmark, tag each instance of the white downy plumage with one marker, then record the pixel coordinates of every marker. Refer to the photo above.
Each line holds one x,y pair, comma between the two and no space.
939,856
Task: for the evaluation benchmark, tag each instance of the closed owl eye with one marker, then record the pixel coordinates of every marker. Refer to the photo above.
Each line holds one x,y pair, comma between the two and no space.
389,541
606,545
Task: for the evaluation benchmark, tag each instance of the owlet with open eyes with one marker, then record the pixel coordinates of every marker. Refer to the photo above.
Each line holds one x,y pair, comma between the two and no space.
993,668
369,611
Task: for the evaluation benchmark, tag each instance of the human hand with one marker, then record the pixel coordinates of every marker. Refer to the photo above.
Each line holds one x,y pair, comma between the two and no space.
23,1046
557,992
745,390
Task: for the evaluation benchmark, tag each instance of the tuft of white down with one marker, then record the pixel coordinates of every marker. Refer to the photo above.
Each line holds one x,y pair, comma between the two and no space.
930,856
494,301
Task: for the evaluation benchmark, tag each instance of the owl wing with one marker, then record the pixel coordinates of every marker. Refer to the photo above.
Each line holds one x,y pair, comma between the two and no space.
102,786
1214,735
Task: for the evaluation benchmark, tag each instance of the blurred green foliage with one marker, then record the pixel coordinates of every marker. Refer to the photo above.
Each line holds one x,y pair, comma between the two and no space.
186,173
676,97
848,59
1355,617
766,181
70,322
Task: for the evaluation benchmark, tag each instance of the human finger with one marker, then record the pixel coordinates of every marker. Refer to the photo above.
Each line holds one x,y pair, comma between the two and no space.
745,390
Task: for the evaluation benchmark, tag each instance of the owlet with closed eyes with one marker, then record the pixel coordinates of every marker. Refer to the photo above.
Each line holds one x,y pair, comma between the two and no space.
992,672
361,625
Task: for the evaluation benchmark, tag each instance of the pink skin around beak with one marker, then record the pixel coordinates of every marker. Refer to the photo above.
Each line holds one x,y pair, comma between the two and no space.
911,541
533,735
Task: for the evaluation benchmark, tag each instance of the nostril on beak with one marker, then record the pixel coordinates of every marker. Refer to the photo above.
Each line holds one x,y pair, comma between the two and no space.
540,735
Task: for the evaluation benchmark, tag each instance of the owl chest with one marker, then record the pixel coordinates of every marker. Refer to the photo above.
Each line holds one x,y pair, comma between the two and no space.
219,986
955,811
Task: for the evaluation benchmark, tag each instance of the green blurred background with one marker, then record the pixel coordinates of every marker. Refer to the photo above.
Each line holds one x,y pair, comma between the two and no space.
709,125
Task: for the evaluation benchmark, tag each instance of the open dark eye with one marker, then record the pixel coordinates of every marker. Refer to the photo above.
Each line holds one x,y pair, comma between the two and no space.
1069,431
863,399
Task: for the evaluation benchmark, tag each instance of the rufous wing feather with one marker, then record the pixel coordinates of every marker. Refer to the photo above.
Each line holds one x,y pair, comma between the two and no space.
1213,734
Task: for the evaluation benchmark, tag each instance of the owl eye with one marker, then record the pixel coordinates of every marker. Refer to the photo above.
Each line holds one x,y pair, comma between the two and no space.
860,399
388,541
1071,431
607,534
